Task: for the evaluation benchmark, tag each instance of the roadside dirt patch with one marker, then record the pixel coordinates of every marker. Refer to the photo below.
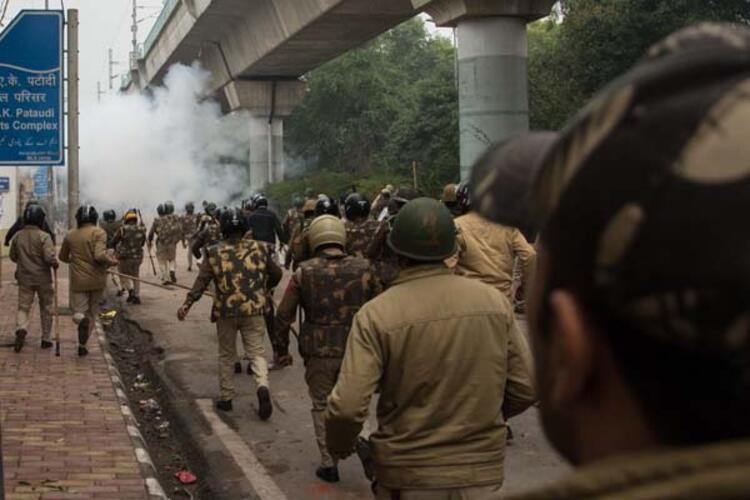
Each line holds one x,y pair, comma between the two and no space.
169,444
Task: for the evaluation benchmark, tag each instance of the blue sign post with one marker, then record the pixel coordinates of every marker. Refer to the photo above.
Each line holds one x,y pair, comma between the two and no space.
31,89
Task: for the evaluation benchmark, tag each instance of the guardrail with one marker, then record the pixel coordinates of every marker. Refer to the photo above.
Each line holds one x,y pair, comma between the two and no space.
161,21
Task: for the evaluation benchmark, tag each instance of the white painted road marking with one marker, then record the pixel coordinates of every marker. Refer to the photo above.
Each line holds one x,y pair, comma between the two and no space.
251,467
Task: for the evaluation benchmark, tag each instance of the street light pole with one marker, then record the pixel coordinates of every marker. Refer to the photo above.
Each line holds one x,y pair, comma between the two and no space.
72,116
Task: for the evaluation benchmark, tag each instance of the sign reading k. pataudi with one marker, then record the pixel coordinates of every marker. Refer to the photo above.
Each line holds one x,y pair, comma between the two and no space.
31,89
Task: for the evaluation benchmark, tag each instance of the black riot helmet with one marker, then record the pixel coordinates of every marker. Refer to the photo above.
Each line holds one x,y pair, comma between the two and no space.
34,215
326,206
233,222
260,201
190,208
86,214
160,210
109,216
356,206
169,207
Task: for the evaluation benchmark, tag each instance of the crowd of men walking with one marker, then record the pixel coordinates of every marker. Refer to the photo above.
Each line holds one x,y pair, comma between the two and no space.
640,330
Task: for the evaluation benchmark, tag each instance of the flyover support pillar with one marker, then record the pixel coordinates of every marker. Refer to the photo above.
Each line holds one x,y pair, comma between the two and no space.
268,102
492,68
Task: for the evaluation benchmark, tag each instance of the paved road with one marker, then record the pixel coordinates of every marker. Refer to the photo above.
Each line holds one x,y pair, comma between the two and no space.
285,445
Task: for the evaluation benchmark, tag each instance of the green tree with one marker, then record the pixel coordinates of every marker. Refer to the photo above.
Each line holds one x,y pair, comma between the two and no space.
598,40
377,109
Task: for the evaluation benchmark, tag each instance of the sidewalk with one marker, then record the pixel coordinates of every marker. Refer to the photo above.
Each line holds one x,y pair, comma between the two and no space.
63,433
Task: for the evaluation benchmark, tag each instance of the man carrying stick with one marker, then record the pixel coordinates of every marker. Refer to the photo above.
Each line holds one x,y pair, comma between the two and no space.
34,254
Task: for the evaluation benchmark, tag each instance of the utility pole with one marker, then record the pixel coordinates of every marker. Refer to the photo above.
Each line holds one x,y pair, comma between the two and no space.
72,116
112,64
134,41
99,92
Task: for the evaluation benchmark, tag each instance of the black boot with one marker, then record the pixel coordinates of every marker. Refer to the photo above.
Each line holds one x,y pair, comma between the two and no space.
224,405
265,408
172,276
131,296
136,300
328,474
83,336
237,367
20,339
249,368
46,344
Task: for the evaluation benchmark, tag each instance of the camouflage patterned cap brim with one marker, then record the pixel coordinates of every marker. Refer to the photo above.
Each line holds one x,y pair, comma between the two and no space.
503,180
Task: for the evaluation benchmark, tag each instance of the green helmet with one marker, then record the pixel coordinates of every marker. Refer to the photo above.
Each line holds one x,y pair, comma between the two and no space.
326,230
423,230
210,208
309,193
298,201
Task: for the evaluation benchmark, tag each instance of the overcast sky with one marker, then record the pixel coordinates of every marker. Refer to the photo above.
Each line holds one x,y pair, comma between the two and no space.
103,24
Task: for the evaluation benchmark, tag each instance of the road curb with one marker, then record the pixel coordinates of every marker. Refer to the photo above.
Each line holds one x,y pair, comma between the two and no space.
146,465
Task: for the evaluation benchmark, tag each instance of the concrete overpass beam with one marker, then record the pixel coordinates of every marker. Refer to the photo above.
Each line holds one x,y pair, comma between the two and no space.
268,102
492,68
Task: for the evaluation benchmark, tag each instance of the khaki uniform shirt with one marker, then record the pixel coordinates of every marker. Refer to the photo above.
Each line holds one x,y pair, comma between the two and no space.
85,249
486,251
451,366
695,473
34,253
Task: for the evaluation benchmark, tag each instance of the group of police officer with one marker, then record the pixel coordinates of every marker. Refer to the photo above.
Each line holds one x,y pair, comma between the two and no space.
639,307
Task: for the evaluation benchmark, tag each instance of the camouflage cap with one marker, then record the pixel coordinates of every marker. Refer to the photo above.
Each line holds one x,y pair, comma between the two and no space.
642,198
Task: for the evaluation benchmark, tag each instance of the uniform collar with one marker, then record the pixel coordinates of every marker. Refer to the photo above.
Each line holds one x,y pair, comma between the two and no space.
676,470
421,271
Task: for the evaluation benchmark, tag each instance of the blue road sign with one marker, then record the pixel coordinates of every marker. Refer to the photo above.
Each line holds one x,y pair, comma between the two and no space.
31,89
4,184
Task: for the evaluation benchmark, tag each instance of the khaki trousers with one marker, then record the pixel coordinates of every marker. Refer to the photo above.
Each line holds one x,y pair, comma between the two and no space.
321,375
86,305
468,493
252,330
26,300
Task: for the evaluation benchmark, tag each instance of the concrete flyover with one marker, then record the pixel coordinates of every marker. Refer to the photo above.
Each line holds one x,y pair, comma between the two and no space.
257,50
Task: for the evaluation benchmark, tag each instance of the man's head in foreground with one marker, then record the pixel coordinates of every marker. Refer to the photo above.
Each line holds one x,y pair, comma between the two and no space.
640,313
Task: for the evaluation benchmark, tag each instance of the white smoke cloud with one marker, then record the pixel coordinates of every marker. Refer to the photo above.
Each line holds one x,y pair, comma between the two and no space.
139,150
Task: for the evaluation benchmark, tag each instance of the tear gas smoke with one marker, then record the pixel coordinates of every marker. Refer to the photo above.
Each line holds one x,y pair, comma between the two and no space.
141,150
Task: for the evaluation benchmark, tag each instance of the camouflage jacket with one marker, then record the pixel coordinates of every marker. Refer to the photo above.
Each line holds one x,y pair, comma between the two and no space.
209,233
292,220
111,228
383,258
128,242
298,246
242,271
189,224
358,236
330,288
167,229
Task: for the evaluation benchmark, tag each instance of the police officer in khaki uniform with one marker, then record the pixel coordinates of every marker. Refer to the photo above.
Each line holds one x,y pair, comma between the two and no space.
359,227
449,364
330,287
242,270
298,241
111,226
33,252
128,244
85,250
640,309
489,251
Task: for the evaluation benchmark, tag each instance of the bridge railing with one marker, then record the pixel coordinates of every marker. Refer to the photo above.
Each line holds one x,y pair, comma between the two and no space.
166,12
